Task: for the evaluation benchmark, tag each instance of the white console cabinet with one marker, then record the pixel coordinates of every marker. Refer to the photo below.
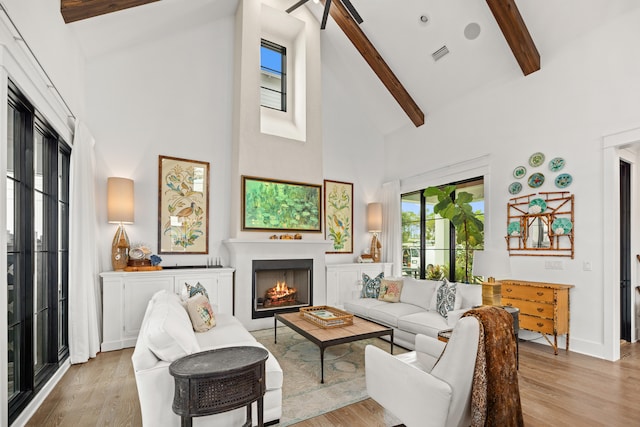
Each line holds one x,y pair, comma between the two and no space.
125,296
344,281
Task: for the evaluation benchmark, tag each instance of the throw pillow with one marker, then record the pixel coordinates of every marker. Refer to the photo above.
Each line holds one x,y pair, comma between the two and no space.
190,291
390,290
371,287
200,313
446,297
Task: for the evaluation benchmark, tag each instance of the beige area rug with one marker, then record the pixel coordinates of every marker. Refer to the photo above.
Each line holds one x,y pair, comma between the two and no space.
302,394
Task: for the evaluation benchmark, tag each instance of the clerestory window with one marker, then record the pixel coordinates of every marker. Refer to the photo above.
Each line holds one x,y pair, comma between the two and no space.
273,75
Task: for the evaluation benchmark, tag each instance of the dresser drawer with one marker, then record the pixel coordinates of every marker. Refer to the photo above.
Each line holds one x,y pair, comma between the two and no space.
536,324
528,292
533,308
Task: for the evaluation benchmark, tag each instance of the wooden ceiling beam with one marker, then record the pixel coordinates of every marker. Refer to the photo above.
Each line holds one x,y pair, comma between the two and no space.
516,33
76,10
352,30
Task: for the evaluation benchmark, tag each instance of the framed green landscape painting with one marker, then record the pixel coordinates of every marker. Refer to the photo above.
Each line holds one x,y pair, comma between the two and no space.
269,204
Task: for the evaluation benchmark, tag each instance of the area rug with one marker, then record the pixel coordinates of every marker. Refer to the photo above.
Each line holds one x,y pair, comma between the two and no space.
302,394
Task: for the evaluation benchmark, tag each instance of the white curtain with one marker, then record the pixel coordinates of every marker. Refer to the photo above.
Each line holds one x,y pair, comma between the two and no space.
84,339
392,226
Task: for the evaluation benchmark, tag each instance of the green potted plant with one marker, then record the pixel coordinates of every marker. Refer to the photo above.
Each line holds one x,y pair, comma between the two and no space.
469,228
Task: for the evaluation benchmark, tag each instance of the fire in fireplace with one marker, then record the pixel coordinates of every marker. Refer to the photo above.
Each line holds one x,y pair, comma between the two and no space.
280,295
281,286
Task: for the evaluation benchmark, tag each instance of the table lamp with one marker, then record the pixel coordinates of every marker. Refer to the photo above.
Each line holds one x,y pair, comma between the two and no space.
374,225
120,211
491,264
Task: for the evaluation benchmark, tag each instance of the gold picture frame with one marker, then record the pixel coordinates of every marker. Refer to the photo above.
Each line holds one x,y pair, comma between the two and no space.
183,206
338,216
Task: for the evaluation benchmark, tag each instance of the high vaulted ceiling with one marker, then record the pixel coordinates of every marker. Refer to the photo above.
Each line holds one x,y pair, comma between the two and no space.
395,28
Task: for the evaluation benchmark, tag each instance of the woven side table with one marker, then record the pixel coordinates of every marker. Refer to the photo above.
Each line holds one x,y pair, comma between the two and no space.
215,381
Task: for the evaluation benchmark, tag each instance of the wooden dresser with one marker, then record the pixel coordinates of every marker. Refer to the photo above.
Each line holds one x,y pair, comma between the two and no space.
544,307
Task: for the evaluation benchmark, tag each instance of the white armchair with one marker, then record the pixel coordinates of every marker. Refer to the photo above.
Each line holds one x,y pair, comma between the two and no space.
430,386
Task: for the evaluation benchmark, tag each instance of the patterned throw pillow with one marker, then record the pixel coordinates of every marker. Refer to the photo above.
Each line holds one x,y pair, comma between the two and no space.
390,290
371,287
191,291
200,313
446,297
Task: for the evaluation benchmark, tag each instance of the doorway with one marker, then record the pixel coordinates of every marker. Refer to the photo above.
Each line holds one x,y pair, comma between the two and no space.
625,251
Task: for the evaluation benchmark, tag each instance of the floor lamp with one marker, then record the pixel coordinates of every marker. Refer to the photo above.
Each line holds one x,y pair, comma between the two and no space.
491,264
374,225
120,211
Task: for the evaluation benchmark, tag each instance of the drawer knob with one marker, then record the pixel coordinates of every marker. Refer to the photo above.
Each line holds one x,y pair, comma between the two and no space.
540,293
540,324
509,289
540,310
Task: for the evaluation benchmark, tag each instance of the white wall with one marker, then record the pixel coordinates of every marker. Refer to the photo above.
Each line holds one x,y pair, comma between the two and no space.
586,90
172,97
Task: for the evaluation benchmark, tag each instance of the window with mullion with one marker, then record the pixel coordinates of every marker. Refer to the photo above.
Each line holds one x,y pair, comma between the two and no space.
434,237
273,75
37,245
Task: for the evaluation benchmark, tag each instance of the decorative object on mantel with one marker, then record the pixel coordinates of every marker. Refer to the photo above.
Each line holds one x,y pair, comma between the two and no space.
374,226
541,224
120,211
183,206
338,216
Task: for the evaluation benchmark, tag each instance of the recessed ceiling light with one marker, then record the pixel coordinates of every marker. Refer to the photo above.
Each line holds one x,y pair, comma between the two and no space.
424,19
472,31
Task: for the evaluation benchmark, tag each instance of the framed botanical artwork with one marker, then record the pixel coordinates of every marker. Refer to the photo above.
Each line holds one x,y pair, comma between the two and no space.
183,206
338,216
269,204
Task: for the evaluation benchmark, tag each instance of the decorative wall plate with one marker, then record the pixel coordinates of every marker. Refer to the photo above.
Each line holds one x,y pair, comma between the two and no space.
514,228
515,188
563,180
536,159
519,172
536,180
561,226
556,164
537,206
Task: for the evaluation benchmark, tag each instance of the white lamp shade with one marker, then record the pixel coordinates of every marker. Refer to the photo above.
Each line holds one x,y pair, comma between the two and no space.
120,200
374,217
491,264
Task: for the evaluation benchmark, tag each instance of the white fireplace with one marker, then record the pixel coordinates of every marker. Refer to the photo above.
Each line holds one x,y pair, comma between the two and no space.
244,252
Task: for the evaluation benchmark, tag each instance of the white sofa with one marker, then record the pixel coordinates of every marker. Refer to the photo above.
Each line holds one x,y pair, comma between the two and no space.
416,312
166,335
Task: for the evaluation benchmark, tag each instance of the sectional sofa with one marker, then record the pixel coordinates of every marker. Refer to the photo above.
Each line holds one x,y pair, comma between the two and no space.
416,312
166,335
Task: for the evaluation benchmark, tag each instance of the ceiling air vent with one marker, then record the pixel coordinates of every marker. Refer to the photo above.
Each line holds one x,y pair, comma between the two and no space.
438,54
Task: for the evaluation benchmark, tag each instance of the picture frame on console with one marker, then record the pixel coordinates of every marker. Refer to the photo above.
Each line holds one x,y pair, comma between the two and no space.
338,217
274,205
183,206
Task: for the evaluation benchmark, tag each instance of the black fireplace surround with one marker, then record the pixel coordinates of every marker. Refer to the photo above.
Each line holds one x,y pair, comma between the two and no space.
280,286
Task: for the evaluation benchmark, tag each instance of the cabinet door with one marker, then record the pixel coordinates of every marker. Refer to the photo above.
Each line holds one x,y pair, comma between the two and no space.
137,293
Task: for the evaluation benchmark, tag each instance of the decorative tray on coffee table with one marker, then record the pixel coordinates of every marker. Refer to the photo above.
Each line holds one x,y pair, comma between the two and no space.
326,317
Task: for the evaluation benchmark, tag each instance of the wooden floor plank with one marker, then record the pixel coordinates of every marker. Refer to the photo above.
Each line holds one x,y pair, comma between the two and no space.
564,390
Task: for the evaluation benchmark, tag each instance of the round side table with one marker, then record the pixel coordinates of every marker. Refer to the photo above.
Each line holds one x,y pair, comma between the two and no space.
215,381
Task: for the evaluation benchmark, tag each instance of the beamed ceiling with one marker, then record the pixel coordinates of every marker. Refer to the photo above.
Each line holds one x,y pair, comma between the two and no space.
392,40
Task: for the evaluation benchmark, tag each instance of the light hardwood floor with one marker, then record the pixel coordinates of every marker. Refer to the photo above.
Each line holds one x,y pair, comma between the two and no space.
564,390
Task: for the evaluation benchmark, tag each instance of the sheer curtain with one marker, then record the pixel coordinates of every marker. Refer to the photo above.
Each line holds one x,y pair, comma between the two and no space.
84,339
391,226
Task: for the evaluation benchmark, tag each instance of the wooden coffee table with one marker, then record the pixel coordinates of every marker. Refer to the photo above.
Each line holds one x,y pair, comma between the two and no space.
327,337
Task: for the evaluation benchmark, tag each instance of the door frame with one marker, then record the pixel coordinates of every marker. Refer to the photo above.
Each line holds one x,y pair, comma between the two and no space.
615,148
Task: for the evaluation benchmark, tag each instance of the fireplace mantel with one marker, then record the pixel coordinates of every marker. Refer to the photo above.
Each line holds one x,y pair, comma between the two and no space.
244,251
